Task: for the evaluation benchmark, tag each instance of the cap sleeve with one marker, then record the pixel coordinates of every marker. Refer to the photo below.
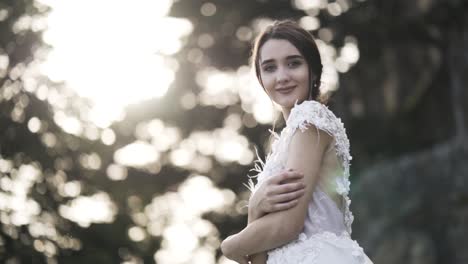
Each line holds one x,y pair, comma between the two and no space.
314,113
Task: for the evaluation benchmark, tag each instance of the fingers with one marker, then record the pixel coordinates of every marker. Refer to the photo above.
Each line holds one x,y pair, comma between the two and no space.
286,188
283,201
283,191
286,176
286,197
284,206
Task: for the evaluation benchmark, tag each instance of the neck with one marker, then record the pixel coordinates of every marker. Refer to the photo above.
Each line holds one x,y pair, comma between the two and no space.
286,112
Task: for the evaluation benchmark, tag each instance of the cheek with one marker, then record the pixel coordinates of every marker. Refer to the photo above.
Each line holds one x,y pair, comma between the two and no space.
267,82
303,77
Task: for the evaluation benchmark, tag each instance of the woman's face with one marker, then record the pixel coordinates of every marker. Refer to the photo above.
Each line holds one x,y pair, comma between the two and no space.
284,73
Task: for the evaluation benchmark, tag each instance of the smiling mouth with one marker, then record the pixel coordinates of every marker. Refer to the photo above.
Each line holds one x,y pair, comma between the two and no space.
286,90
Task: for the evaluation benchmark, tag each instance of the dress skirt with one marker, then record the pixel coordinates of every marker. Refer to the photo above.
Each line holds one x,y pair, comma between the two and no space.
320,248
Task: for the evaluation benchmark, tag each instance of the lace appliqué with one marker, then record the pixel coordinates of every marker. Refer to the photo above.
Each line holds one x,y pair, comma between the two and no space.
308,250
317,114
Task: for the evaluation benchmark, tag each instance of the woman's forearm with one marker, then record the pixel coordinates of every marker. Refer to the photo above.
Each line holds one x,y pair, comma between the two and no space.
253,215
265,233
261,257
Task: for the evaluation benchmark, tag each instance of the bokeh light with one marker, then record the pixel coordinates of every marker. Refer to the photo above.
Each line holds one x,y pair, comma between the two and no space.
121,56
185,233
113,61
85,210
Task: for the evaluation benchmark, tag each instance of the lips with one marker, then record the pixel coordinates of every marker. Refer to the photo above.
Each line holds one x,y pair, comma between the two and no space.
285,90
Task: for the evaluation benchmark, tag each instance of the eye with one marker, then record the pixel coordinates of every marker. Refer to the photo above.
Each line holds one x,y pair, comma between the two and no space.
269,68
294,63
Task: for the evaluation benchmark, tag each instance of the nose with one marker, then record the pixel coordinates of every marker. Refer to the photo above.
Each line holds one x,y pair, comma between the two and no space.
282,75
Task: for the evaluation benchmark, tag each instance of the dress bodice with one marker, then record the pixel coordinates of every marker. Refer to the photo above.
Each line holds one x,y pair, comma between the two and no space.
328,209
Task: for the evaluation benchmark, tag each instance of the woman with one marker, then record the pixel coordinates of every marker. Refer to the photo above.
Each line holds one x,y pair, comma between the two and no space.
298,218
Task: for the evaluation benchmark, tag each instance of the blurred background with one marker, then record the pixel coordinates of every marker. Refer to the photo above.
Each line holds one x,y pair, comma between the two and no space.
128,128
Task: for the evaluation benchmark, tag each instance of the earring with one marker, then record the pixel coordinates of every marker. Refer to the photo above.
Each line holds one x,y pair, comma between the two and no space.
311,90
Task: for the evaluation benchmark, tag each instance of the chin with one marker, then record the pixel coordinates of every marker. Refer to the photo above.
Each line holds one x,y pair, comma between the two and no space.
289,101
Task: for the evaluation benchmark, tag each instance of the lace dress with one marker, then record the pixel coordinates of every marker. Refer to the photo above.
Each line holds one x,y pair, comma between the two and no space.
326,235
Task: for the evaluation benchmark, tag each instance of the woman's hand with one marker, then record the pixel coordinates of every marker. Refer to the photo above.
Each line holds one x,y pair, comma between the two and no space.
277,193
227,247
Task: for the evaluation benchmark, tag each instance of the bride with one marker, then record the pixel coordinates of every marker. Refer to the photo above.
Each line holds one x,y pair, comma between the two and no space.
299,209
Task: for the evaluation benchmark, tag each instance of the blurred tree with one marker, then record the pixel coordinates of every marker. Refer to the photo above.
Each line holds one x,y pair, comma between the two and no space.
400,76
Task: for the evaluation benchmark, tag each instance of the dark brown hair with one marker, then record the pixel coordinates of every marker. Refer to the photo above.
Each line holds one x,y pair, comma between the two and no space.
304,43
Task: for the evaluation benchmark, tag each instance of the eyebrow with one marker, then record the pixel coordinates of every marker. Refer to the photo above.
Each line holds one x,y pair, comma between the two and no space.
287,58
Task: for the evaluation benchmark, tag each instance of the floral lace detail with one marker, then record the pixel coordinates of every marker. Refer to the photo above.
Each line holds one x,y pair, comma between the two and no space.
308,250
317,114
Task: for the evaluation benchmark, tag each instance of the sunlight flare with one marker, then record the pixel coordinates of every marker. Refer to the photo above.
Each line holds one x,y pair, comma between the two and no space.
116,53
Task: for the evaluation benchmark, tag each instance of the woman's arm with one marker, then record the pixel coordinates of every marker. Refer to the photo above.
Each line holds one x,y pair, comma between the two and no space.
261,257
278,228
279,192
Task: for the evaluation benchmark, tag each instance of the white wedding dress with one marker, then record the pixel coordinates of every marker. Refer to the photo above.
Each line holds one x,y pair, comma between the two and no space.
326,235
